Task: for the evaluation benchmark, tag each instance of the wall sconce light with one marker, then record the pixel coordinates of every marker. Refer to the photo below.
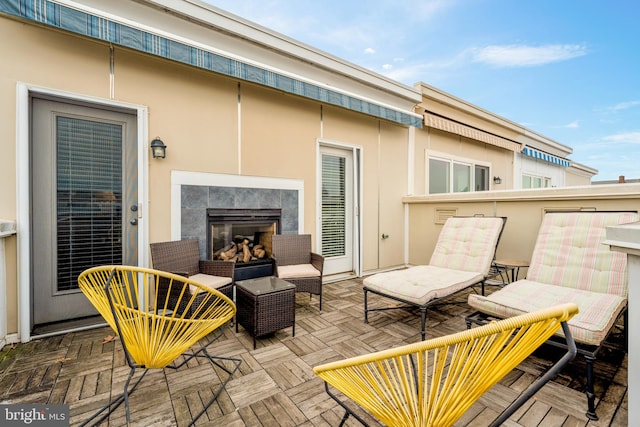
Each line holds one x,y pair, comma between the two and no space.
497,180
158,149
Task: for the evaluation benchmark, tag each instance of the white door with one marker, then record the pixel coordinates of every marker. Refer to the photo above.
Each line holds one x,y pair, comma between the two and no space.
337,210
84,195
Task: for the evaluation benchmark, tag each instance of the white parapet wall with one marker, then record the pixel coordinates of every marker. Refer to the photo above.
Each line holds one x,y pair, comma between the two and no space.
7,228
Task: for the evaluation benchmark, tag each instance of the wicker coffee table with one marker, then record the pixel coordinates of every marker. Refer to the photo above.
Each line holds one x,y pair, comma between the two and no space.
265,305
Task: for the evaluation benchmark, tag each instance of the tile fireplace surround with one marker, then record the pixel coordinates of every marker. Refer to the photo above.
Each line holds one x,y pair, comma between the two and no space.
195,199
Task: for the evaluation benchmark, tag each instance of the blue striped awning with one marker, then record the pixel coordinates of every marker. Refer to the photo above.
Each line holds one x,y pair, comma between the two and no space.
52,13
532,152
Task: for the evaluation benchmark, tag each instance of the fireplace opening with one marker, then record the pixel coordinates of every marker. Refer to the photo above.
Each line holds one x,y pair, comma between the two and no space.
243,236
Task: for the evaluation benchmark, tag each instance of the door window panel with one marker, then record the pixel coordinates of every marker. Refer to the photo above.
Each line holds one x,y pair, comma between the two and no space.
333,206
89,197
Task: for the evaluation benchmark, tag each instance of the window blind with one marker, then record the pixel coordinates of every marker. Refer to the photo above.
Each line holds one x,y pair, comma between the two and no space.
333,206
89,197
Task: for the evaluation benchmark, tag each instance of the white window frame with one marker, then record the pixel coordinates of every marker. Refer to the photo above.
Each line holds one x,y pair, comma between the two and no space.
452,160
545,181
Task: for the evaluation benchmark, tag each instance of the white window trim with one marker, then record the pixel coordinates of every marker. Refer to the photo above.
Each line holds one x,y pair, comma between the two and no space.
451,158
534,175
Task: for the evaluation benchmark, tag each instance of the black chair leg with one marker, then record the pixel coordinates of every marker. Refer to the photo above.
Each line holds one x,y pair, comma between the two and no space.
107,409
366,311
423,322
348,412
591,396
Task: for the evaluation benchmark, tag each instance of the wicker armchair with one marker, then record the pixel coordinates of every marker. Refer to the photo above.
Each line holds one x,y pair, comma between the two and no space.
182,257
296,264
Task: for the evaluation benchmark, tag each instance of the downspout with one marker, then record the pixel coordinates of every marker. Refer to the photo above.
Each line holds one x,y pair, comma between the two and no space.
411,157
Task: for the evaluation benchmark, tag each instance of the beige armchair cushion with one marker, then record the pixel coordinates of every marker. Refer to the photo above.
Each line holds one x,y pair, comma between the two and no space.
297,271
212,282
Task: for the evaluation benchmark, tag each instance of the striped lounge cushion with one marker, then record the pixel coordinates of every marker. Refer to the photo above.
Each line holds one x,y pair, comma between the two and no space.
597,314
570,263
569,252
467,244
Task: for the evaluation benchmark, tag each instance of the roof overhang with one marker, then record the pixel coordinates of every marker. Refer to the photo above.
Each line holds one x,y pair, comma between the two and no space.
190,32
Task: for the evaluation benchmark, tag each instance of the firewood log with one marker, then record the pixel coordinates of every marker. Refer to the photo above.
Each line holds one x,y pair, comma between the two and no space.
259,253
246,251
218,254
229,254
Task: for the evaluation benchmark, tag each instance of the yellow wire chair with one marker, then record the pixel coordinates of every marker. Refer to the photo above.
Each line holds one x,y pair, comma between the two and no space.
152,330
433,382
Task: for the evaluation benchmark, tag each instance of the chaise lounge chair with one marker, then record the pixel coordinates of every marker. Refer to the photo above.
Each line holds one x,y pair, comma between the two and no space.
462,258
570,263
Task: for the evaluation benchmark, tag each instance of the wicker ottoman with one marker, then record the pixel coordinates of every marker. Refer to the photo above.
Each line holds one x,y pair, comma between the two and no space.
265,305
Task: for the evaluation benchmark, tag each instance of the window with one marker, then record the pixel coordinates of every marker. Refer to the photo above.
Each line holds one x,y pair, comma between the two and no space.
532,181
438,176
482,178
456,176
461,178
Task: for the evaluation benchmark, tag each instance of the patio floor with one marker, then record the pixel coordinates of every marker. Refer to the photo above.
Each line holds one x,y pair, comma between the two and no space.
275,384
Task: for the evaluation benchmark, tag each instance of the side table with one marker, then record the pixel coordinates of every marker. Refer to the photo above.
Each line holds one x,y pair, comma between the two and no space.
265,305
510,265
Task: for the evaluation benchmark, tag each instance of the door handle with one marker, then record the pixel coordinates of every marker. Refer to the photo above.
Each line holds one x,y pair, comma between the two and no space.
134,220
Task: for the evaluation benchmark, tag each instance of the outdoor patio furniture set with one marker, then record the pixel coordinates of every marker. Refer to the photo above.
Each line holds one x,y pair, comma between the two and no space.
576,289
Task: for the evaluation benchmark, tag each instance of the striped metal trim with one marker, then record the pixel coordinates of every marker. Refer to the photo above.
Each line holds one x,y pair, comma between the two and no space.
50,13
532,152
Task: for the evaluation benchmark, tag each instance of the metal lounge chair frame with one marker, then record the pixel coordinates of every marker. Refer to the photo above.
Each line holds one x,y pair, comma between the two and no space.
153,335
446,258
433,382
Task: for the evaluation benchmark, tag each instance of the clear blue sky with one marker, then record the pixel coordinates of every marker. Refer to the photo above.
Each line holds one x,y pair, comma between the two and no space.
567,69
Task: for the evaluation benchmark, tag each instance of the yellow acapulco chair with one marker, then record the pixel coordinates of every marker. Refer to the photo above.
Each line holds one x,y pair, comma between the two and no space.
152,333
433,382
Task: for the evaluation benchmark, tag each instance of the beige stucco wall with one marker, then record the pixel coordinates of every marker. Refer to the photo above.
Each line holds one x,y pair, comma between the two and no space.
573,178
523,209
211,124
38,57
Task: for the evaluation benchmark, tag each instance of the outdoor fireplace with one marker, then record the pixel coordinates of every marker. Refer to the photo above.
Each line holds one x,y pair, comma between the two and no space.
244,237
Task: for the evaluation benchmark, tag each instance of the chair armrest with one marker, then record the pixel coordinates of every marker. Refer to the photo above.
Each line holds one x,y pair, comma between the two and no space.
217,267
274,262
181,273
317,261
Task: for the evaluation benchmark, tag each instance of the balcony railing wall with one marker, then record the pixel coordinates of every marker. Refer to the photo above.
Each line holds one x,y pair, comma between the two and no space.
523,208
